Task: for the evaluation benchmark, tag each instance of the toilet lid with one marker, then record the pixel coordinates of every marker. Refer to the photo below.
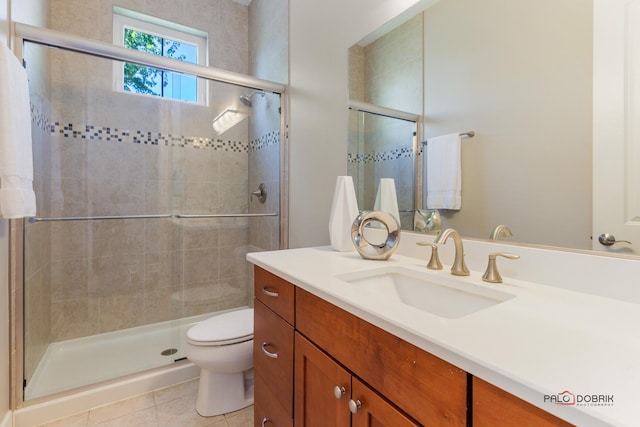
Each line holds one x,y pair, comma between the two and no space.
226,328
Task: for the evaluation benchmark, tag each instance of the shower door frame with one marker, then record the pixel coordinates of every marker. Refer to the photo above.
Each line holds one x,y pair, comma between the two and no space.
56,39
365,107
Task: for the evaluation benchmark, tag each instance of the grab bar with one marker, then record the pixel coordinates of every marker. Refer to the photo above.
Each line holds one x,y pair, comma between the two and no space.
34,219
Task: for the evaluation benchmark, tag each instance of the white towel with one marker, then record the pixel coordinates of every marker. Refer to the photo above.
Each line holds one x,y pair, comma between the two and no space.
17,198
444,172
386,198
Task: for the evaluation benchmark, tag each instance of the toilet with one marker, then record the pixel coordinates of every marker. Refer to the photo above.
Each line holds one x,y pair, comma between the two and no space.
222,347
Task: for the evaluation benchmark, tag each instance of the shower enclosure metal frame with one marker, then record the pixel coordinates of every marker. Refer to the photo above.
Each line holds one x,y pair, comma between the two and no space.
365,107
27,33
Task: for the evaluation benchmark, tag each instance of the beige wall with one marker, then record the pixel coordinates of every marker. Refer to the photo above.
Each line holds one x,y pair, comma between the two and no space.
320,35
519,75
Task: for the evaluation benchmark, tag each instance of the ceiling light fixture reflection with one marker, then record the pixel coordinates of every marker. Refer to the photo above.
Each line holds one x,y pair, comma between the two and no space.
226,120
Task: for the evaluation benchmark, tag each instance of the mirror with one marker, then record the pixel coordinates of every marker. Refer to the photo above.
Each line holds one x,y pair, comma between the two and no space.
518,74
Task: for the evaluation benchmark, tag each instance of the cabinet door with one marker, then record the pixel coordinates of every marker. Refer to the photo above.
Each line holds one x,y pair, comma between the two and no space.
373,410
495,407
316,377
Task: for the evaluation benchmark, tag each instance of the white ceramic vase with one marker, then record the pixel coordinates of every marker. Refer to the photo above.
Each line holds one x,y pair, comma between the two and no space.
386,198
344,210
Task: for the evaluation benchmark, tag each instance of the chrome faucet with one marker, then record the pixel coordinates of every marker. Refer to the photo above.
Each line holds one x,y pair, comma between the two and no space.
458,268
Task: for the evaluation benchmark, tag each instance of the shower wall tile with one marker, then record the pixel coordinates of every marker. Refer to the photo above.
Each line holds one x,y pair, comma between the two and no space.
158,196
163,270
200,234
233,262
268,39
234,292
162,304
201,197
37,319
116,196
233,236
121,311
162,234
121,274
75,318
115,237
69,280
200,265
68,197
231,164
37,248
201,298
81,13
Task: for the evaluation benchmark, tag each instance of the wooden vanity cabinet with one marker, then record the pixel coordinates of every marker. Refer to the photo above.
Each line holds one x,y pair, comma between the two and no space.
324,391
273,350
321,346
428,389
493,407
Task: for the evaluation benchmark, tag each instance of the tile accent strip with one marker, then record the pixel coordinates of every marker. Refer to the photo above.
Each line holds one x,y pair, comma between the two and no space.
102,133
393,154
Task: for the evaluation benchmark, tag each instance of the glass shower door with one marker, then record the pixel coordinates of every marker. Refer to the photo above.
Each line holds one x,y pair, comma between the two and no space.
145,216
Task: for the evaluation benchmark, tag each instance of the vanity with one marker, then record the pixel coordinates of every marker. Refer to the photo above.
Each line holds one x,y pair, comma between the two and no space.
328,351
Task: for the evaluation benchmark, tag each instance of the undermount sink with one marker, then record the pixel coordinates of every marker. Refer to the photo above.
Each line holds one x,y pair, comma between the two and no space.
436,294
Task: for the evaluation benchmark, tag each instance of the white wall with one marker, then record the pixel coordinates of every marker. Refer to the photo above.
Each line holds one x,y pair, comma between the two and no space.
320,34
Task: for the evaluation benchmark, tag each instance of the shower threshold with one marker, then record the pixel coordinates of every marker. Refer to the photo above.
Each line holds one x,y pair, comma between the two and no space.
74,363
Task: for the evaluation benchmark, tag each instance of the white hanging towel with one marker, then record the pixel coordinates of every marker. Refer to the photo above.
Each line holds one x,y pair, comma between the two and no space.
17,198
444,172
386,198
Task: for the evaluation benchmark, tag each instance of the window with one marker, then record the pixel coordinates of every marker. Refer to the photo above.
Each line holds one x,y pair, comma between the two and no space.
158,37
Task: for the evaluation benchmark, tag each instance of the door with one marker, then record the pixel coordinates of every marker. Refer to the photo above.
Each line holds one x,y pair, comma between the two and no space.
616,125
322,388
371,410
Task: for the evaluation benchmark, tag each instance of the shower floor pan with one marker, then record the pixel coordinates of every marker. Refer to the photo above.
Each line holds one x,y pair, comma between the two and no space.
83,361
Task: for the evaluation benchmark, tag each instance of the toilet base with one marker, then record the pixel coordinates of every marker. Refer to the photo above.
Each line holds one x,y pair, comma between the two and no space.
223,393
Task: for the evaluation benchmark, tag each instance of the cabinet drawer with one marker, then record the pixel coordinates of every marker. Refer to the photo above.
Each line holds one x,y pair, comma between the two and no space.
267,410
431,390
273,355
275,293
493,406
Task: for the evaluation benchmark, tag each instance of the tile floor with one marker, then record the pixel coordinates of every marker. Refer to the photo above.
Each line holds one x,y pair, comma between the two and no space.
168,407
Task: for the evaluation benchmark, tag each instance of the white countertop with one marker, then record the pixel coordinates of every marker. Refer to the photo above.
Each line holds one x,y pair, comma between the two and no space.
542,342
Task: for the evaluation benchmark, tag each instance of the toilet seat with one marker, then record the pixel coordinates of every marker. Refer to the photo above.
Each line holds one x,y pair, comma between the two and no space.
228,328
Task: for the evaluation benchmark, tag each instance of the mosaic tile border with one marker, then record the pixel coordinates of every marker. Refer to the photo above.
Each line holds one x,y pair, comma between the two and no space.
102,133
393,154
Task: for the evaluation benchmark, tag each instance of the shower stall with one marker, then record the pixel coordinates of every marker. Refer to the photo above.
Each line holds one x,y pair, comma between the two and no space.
383,143
146,209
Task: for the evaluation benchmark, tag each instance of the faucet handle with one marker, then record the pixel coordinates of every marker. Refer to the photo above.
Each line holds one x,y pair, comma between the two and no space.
492,275
434,261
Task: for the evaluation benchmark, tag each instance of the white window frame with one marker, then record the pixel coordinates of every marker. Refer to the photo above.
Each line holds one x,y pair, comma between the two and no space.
124,18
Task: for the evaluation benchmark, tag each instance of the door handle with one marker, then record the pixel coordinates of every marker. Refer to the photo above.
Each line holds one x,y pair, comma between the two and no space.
607,239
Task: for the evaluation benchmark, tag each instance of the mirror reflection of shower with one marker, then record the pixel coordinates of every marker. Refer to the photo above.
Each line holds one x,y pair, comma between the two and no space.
246,98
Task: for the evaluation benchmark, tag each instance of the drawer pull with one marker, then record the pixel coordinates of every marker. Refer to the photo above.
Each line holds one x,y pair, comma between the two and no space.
270,293
265,420
268,353
354,405
339,391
